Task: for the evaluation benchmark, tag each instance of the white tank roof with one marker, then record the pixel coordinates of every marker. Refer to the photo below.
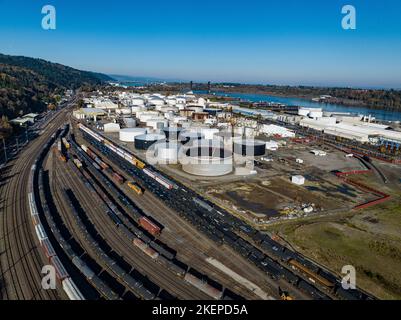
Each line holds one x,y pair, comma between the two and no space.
129,134
150,137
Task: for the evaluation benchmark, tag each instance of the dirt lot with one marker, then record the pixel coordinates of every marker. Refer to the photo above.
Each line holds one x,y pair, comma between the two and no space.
368,239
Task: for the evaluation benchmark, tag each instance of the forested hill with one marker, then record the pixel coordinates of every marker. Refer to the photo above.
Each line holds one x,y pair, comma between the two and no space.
27,83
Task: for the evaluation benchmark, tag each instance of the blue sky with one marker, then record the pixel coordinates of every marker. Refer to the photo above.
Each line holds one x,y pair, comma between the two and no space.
277,42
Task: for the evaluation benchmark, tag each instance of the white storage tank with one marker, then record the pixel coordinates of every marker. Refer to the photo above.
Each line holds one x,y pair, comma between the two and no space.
211,161
129,122
111,127
135,109
137,101
157,123
129,134
167,152
249,132
156,101
209,133
144,141
226,137
180,106
124,111
145,116
178,119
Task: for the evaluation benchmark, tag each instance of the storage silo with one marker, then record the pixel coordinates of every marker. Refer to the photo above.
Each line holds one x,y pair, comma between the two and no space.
155,123
129,122
135,109
137,101
188,136
206,159
172,133
144,141
167,152
209,133
129,134
226,137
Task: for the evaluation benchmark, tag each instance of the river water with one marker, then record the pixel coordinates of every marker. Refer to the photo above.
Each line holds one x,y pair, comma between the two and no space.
386,115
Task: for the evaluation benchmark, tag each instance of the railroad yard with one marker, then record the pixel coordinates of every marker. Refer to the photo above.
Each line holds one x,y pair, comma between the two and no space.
116,227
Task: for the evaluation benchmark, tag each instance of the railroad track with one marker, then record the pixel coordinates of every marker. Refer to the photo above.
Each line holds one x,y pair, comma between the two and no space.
23,262
156,273
197,247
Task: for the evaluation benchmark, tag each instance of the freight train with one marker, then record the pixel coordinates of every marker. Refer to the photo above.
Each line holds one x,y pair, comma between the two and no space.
68,284
65,240
154,249
216,223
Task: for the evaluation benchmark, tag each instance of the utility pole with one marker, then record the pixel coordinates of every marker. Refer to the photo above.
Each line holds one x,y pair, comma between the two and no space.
5,150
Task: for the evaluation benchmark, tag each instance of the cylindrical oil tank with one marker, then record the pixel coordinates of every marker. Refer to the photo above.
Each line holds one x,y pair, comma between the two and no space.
123,111
153,123
171,101
172,133
129,122
145,116
135,109
144,141
188,136
249,132
137,101
203,160
167,152
129,134
209,132
156,101
111,127
249,147
178,119
227,137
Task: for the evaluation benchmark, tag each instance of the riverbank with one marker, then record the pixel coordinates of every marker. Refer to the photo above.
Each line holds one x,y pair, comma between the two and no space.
380,114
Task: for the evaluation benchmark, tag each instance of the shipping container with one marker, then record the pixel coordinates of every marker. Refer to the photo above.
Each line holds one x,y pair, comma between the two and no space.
66,143
149,226
48,248
134,186
77,163
40,232
118,178
140,244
